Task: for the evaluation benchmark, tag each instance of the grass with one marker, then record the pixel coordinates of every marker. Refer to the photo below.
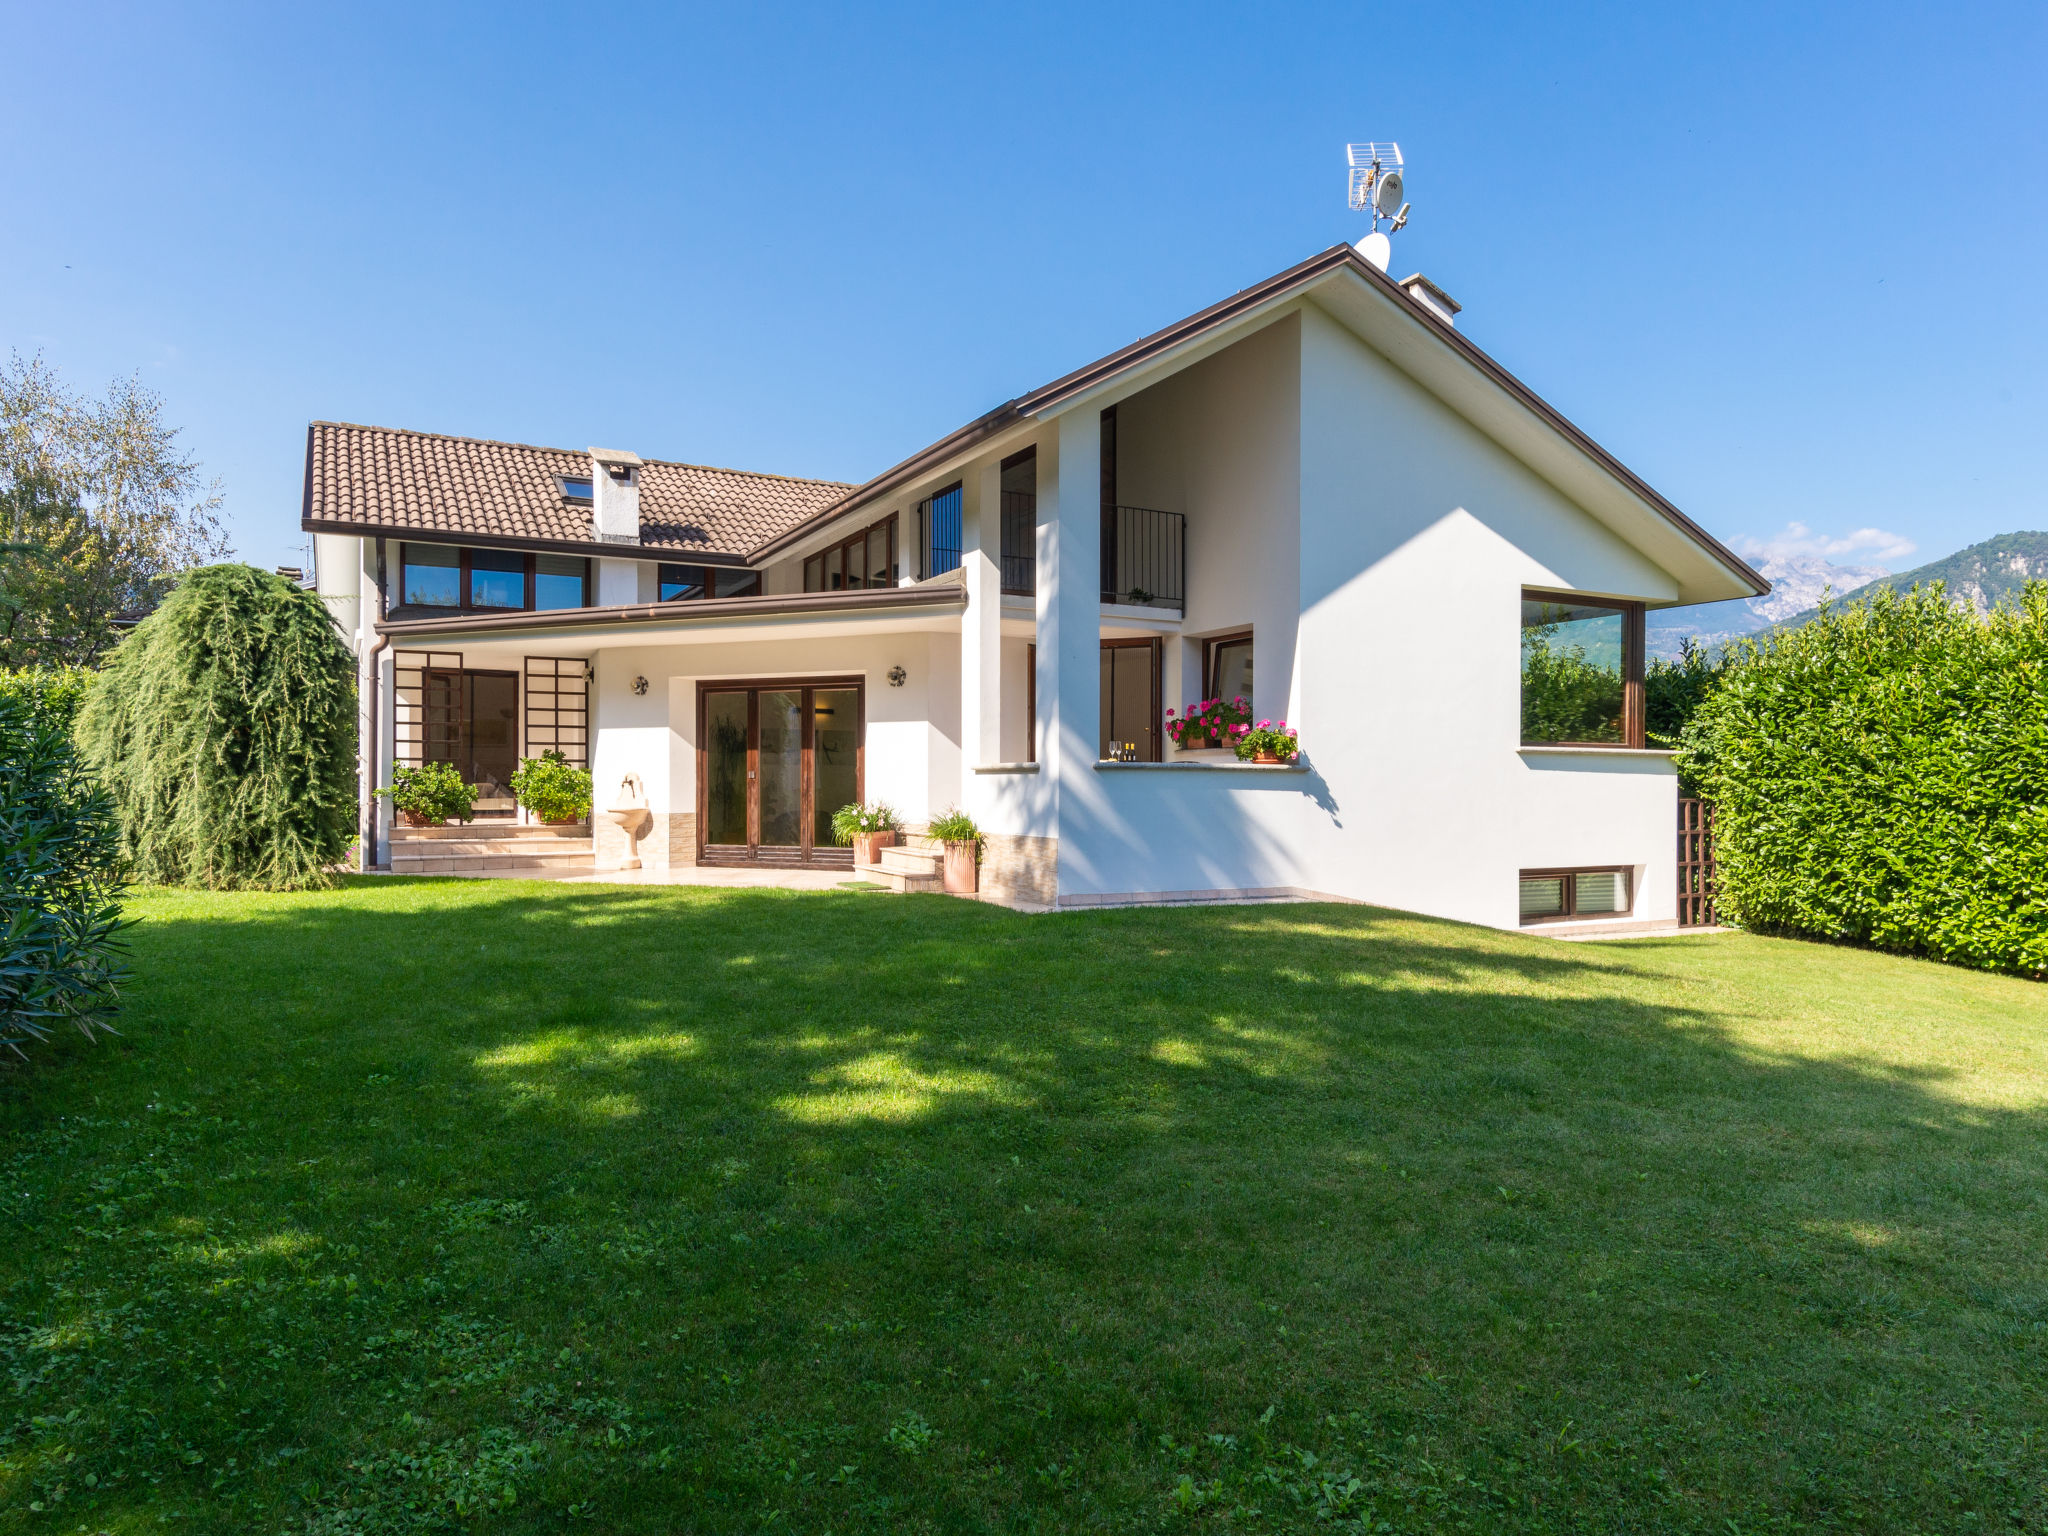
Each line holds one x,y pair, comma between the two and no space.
439,1205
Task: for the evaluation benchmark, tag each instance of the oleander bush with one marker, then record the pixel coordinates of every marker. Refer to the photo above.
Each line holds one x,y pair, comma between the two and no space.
60,884
224,726
1880,774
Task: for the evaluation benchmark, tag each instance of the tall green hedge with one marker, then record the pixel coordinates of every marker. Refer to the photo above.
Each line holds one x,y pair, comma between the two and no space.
225,728
1880,774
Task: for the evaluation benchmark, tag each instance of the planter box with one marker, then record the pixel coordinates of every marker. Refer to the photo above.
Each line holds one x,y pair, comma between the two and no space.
962,872
868,846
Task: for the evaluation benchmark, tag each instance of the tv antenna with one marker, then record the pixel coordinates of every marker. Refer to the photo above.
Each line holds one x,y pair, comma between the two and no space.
1376,188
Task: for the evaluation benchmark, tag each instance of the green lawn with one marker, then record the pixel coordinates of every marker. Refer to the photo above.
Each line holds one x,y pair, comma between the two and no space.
425,1205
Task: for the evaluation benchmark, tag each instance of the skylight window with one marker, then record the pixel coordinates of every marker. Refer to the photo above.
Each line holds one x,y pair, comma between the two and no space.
574,487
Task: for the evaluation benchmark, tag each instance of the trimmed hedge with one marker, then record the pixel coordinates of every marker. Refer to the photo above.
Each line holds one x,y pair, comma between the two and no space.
1880,774
225,728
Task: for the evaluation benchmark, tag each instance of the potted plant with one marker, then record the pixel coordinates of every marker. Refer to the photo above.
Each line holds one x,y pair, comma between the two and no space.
1211,723
868,828
956,829
429,794
1270,741
552,788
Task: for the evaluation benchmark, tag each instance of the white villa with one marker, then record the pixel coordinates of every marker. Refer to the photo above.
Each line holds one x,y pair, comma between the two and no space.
1317,494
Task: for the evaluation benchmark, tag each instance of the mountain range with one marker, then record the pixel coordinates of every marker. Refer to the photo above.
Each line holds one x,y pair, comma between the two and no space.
1984,573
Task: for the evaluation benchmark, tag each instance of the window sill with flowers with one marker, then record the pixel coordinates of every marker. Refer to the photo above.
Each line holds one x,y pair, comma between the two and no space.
1213,726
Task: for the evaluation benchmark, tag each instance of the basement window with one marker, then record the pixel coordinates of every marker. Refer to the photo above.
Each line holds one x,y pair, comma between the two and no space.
1554,895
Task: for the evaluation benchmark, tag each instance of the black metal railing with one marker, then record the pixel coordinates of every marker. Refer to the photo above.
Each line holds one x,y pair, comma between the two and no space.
1020,542
1144,557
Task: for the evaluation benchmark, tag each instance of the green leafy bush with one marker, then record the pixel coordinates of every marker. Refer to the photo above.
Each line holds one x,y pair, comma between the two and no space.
224,726
432,791
60,885
849,821
57,691
1880,774
1674,690
551,787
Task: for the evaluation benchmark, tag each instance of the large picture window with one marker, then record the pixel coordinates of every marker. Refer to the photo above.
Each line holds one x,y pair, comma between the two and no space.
1582,671
490,580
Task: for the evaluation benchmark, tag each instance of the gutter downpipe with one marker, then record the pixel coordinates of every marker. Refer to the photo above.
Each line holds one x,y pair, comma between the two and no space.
367,795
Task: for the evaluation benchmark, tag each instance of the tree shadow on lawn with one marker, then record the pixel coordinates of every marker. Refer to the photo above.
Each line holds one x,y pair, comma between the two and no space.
774,1166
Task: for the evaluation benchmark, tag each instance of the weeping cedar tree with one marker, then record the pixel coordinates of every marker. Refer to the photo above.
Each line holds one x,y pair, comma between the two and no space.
60,886
1880,774
225,729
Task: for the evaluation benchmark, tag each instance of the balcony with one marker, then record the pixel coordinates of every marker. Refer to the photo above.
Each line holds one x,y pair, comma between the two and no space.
1144,553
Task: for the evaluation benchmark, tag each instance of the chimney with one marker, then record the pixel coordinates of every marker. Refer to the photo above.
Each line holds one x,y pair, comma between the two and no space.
615,496
1440,305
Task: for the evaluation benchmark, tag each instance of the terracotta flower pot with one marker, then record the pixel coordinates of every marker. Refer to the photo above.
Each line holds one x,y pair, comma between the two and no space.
961,873
415,819
868,846
560,821
1266,757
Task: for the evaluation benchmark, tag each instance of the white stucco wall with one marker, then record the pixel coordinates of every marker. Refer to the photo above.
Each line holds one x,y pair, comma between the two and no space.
912,751
1387,623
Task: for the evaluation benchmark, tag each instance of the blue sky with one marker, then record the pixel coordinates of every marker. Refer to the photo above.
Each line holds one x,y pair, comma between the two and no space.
1785,262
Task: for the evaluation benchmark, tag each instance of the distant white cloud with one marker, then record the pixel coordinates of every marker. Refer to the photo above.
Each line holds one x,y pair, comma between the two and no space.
1866,546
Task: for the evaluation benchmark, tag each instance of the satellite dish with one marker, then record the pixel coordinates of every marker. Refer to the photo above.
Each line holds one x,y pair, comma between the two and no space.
1386,197
1377,249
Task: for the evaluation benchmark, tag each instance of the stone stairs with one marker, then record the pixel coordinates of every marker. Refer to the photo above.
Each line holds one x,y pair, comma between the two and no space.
488,848
915,864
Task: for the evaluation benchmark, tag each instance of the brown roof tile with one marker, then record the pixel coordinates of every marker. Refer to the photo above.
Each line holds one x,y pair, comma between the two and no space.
382,477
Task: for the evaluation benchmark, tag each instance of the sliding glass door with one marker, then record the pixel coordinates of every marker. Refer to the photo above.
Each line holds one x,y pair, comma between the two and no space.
774,761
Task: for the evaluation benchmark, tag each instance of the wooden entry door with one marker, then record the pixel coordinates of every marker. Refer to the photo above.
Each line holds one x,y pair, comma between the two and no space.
774,761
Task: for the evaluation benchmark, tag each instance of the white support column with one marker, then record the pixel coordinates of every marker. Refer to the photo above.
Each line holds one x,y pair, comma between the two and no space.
981,626
1070,613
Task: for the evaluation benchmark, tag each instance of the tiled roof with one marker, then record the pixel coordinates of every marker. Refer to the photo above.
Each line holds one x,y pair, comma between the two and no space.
381,477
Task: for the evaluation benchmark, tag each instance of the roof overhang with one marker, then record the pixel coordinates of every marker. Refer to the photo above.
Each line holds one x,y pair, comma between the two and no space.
399,534
820,613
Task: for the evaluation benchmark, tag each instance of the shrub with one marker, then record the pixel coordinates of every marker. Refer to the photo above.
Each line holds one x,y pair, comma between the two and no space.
224,726
56,691
1881,775
849,821
549,786
60,886
432,791
954,826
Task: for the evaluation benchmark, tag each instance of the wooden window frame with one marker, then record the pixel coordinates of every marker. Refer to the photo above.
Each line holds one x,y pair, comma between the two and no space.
1158,647
1571,891
1633,626
713,577
465,566
1210,646
840,547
